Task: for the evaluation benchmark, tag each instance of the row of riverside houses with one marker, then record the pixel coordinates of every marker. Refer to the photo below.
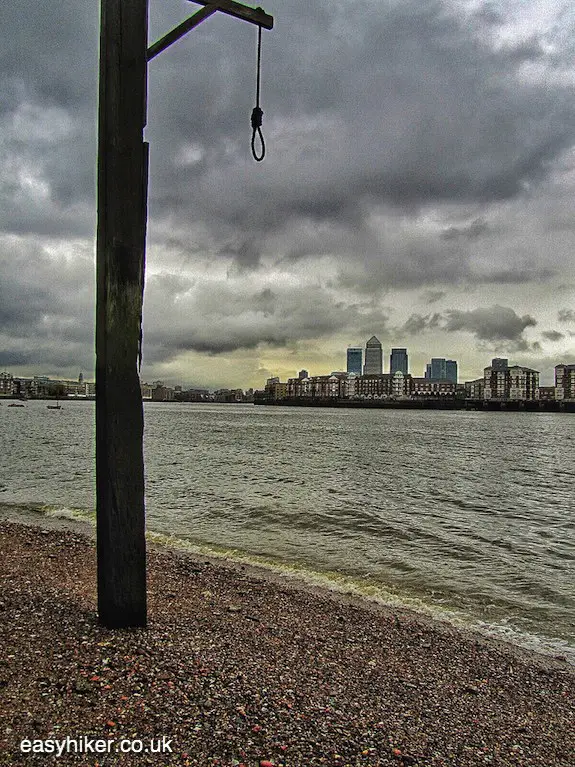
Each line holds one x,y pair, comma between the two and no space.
500,382
40,387
159,392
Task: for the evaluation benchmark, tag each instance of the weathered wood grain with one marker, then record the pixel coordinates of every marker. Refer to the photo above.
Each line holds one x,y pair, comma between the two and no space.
120,260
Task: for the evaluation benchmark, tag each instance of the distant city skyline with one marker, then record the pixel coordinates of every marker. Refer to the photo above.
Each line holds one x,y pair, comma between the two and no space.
546,376
502,386
500,381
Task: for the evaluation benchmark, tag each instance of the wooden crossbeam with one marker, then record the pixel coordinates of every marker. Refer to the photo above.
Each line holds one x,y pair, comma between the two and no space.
239,11
253,15
181,30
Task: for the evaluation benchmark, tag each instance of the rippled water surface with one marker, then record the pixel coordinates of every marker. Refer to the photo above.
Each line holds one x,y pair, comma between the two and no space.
465,514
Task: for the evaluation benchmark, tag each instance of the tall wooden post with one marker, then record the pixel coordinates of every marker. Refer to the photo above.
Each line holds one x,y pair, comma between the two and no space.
121,235
120,261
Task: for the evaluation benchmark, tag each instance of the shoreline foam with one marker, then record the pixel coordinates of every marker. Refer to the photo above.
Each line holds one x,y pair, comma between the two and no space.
372,595
341,587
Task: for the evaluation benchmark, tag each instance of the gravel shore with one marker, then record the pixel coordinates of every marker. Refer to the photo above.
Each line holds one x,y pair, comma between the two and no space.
238,667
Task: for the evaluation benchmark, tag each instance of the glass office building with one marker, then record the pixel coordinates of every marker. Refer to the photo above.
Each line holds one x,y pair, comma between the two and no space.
398,362
355,360
440,369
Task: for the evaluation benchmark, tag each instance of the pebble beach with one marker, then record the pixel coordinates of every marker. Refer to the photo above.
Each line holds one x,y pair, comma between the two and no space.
239,666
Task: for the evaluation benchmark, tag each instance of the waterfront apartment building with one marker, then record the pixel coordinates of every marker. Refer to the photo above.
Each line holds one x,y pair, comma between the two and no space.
431,387
372,386
398,361
314,386
564,382
355,360
381,386
440,369
475,389
511,383
161,393
146,390
275,389
546,393
344,386
373,363
233,395
400,384
7,387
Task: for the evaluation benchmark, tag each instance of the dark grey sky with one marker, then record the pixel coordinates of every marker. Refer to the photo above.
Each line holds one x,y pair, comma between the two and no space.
418,186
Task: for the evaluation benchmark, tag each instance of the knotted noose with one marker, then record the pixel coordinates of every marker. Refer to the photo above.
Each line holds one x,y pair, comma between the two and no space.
257,113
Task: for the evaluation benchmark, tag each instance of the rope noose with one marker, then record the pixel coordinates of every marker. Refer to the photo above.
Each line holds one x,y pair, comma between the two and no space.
257,113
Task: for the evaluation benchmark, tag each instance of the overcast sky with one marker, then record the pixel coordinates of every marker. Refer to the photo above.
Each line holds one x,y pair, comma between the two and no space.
419,185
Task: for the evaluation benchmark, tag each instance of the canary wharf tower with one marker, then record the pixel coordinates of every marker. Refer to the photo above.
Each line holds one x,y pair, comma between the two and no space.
373,357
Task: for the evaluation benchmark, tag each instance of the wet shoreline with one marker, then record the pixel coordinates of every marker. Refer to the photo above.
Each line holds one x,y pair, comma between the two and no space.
239,665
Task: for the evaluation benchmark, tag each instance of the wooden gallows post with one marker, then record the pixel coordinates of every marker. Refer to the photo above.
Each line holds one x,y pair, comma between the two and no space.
120,262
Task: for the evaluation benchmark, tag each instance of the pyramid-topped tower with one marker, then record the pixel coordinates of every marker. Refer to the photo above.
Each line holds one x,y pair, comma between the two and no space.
373,357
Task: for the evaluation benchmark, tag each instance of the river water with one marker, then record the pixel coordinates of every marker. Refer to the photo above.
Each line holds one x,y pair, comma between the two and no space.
467,516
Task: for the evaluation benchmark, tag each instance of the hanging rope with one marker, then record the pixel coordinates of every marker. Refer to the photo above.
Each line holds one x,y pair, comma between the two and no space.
257,113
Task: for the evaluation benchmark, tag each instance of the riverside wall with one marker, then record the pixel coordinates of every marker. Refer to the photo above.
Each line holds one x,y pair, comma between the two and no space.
435,403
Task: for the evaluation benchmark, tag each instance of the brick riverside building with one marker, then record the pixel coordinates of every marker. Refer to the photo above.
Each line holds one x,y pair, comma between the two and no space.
564,382
428,387
511,383
475,389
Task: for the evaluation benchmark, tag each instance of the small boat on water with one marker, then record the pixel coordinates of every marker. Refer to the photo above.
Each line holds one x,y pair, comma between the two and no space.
54,407
16,404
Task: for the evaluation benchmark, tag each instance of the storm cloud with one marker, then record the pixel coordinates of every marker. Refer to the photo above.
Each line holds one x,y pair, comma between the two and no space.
418,154
552,335
214,318
417,323
495,323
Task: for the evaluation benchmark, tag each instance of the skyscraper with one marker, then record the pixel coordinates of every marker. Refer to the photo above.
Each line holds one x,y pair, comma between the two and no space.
451,370
354,359
398,361
440,369
373,357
